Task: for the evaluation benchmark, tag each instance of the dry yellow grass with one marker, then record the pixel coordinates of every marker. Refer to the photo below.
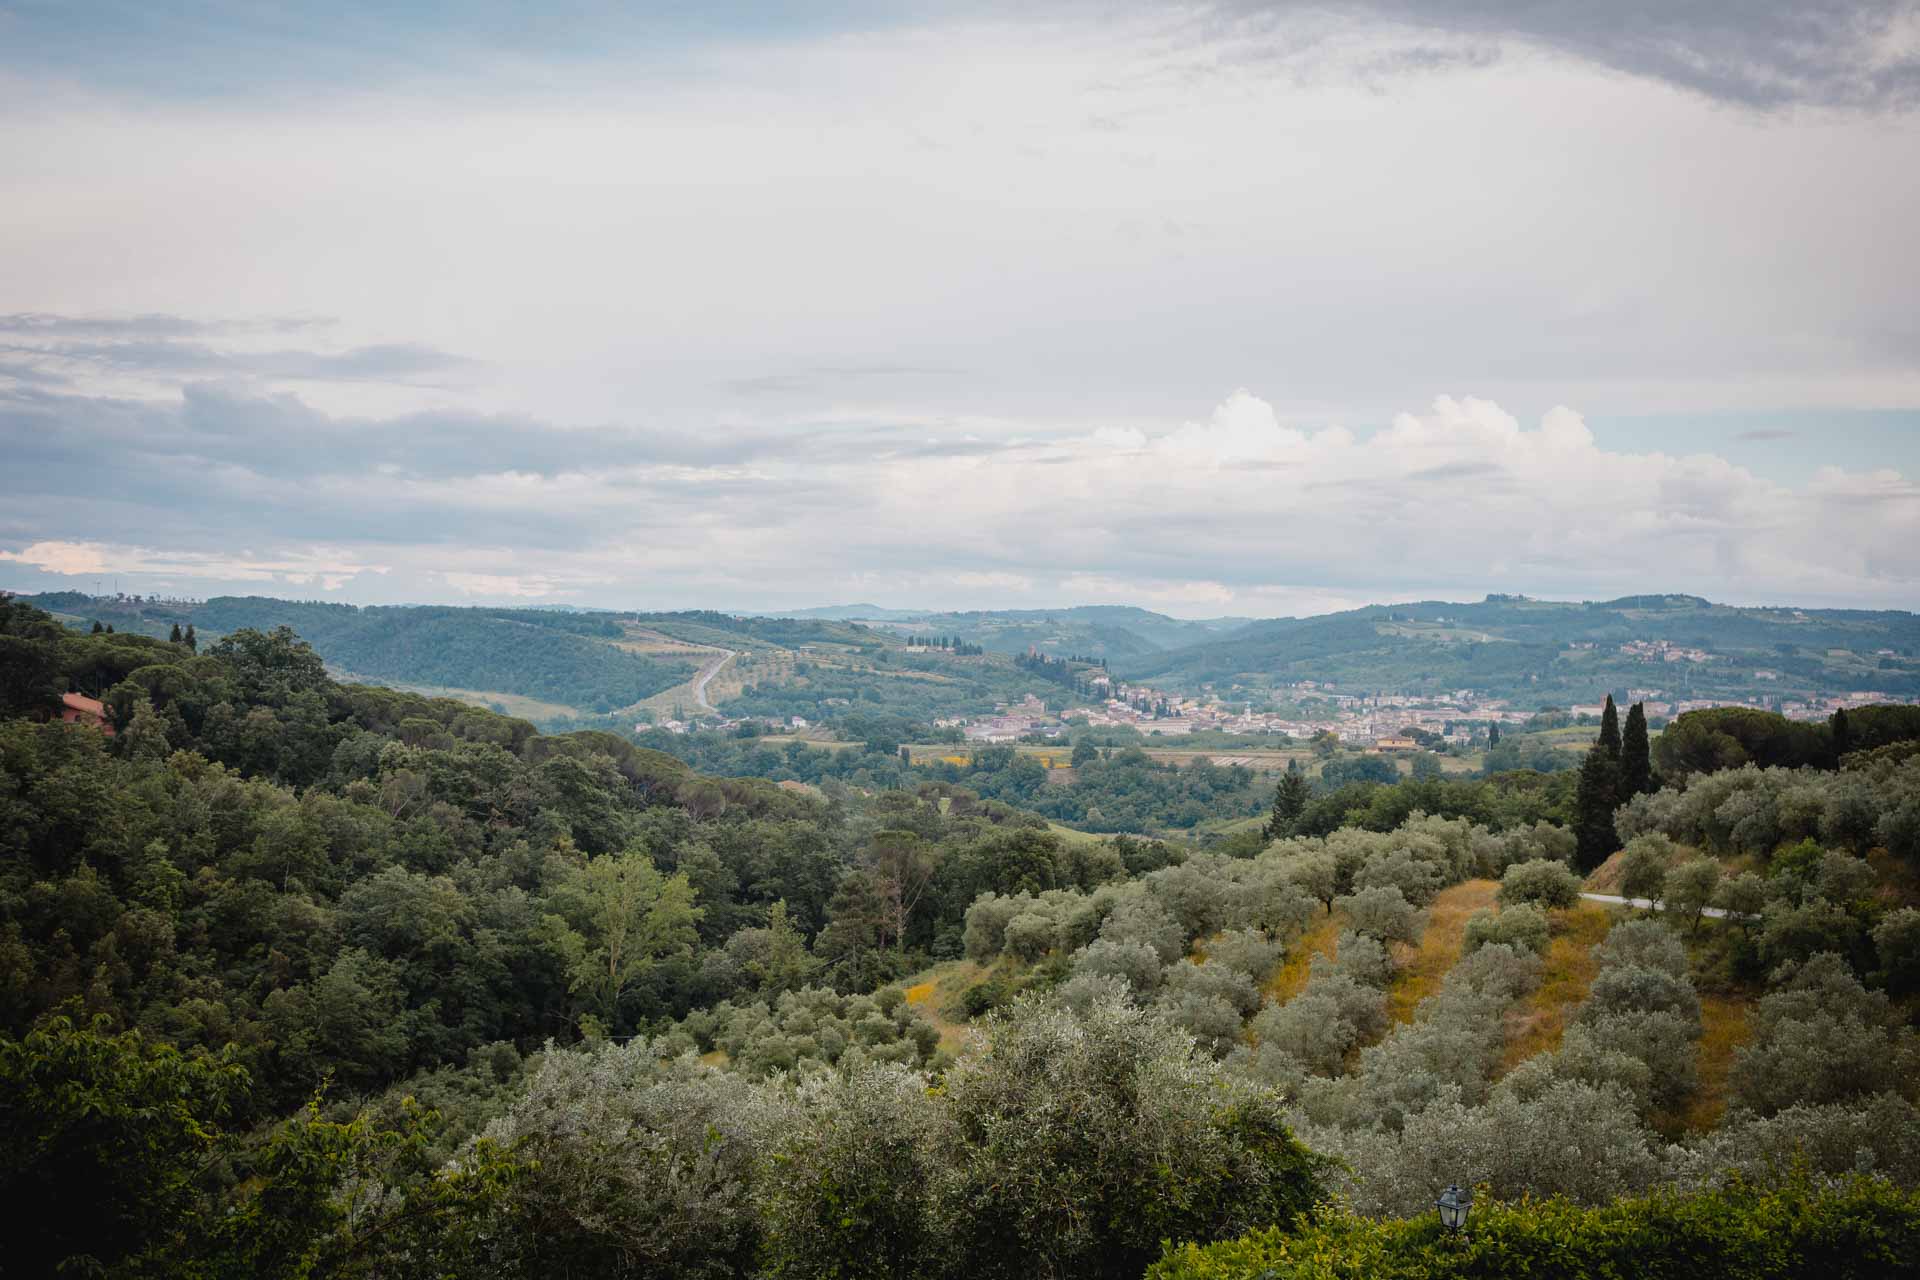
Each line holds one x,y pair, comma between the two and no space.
936,992
1536,1026
1723,1022
1423,967
1319,940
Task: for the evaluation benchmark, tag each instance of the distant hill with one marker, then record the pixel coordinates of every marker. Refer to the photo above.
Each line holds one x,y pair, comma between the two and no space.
1112,632
825,668
586,663
1551,652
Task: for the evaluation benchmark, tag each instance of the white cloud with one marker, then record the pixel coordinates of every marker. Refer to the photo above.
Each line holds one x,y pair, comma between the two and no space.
293,567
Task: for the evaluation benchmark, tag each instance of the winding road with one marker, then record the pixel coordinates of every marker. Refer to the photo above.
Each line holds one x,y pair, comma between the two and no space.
707,673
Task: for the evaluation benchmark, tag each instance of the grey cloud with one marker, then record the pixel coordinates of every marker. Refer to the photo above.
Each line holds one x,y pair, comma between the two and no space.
389,362
1778,53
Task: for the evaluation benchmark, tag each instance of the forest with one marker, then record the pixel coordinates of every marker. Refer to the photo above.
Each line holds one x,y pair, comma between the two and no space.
551,655
307,978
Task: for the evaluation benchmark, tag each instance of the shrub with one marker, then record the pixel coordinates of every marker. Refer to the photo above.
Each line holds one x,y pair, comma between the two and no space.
1523,925
1383,914
1647,943
1078,1142
636,1163
1690,888
1896,940
1145,920
1543,882
844,1189
1632,988
1643,866
1030,936
1134,963
1363,959
1800,1229
1417,881
1790,934
1247,950
1820,1038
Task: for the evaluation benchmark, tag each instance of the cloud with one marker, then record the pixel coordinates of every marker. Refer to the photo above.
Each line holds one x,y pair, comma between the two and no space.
1846,54
301,567
46,347
1232,512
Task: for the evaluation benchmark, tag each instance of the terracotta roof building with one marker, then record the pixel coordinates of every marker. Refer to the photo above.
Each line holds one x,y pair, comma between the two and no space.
78,708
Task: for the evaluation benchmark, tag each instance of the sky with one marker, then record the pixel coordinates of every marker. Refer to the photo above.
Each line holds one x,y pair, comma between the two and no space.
1250,308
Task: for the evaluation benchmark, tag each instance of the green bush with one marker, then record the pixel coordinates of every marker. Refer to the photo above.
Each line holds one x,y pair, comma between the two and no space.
1860,1228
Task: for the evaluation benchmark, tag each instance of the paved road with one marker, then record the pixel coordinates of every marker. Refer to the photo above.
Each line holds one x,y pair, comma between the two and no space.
1646,904
707,673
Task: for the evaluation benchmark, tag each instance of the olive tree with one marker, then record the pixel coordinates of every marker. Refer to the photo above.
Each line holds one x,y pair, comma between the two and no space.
1382,913
1691,886
1077,1142
1521,925
1542,881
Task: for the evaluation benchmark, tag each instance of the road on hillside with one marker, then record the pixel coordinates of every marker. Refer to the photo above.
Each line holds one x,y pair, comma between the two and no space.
707,673
1644,904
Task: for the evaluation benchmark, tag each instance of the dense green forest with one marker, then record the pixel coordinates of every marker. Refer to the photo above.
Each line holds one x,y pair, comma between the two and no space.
550,655
304,978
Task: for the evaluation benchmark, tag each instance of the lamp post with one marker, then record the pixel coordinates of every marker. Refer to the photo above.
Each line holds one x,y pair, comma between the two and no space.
1454,1204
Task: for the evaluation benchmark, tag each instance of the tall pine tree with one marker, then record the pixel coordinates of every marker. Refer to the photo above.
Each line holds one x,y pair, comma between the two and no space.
1290,798
1636,758
1594,799
1610,729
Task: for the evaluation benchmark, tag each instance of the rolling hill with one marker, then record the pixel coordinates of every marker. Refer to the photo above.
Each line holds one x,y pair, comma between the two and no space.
1543,651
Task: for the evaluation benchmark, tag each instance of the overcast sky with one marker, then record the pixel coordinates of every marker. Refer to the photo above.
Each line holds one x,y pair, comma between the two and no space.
1250,308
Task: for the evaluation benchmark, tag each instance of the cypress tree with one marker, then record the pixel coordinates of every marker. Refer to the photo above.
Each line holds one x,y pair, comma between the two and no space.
1493,736
1636,758
193,641
1595,798
1610,729
173,637
1290,798
1842,735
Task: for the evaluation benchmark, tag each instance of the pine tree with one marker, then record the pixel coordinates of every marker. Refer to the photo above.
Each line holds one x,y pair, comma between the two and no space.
1290,798
1610,729
97,628
1636,759
193,641
173,637
1595,798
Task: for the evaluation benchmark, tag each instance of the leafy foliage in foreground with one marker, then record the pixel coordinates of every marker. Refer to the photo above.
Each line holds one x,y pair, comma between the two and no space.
1860,1227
